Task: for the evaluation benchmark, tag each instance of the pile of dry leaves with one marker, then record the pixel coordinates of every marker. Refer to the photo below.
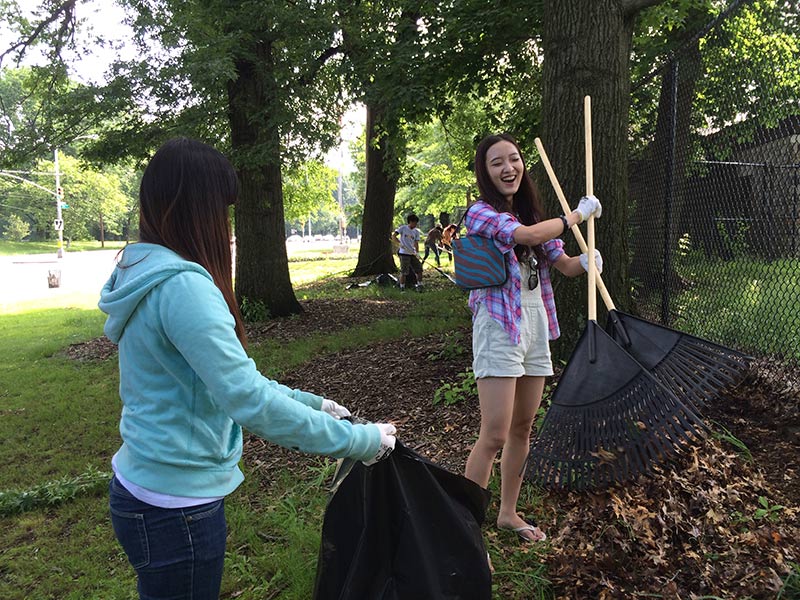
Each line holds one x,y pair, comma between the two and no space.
710,525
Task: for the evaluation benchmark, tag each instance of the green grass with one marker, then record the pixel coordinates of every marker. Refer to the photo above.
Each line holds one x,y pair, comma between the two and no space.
61,414
747,304
64,553
305,272
11,248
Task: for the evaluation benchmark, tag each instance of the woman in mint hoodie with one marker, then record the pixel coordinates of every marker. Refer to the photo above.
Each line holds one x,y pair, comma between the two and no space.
187,384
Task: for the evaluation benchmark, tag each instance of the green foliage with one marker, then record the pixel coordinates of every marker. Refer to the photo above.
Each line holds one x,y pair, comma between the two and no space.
254,311
454,347
547,395
722,433
453,392
437,175
766,510
307,189
752,68
100,200
16,229
94,197
733,238
52,493
791,584
34,119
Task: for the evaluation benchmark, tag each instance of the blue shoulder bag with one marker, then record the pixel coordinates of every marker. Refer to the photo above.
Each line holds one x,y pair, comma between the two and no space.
478,262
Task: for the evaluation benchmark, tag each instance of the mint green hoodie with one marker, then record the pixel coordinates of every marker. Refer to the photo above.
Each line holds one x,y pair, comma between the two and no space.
188,387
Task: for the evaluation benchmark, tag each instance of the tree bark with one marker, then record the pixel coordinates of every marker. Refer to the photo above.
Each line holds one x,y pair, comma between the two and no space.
375,255
586,52
262,265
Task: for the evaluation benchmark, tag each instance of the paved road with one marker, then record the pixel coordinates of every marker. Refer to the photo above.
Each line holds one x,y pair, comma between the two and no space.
24,277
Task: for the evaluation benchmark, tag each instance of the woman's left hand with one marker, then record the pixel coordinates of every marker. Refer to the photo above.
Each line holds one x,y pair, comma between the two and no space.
584,258
337,411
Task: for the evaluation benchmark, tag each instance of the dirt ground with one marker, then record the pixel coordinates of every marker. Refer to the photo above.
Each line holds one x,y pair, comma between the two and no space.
721,520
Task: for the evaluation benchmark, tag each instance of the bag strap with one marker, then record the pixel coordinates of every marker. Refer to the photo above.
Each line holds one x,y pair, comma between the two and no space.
458,225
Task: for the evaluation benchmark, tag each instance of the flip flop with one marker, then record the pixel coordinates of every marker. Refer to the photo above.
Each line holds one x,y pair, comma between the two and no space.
520,531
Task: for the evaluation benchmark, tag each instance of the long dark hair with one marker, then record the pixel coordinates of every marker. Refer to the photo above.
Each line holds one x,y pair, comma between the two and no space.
526,204
184,197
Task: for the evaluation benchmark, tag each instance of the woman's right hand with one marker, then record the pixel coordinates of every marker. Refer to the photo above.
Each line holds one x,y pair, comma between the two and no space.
388,440
588,206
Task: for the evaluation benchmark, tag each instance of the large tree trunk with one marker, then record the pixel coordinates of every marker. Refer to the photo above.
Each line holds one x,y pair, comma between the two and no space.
375,256
586,52
262,265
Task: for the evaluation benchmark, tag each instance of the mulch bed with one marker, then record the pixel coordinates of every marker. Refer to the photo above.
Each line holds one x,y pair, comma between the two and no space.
325,317
706,526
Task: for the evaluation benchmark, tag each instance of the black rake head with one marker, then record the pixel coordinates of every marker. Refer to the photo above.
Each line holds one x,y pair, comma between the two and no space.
694,369
609,420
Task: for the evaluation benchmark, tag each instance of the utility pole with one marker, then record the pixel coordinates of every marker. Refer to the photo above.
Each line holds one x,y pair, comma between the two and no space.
342,229
59,222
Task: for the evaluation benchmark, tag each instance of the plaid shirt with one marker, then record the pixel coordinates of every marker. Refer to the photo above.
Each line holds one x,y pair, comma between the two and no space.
504,302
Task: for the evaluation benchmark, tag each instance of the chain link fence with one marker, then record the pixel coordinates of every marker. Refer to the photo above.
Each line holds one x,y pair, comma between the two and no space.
715,184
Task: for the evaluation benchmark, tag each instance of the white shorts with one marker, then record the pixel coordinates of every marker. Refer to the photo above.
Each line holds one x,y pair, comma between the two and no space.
495,355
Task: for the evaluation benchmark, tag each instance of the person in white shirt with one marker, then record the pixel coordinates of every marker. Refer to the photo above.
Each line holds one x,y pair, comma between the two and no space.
408,237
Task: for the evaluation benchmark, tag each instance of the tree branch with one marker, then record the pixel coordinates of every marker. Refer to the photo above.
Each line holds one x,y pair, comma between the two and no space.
631,7
309,76
65,12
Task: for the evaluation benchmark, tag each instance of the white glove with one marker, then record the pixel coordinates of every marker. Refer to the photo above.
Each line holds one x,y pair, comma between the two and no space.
598,260
387,443
588,206
337,411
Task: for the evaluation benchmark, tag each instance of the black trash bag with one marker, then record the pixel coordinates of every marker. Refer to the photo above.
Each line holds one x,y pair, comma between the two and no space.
403,529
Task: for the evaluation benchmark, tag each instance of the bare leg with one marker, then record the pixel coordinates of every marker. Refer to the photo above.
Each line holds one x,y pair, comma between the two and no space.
496,396
526,402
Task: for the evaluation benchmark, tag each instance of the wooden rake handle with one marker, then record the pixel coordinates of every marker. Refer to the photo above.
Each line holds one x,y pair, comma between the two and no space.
587,137
601,286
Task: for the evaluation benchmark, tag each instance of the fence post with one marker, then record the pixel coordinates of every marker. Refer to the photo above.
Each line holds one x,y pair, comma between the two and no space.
670,190
794,211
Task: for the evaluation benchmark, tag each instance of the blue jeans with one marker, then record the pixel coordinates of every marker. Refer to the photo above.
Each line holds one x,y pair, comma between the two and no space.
178,553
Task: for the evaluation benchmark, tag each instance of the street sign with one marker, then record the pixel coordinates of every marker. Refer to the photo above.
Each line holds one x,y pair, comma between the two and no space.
58,224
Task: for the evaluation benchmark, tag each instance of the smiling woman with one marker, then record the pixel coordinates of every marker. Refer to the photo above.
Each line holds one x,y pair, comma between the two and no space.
514,322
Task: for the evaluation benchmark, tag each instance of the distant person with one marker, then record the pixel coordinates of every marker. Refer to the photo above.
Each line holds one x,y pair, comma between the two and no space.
448,235
432,241
407,236
513,323
187,384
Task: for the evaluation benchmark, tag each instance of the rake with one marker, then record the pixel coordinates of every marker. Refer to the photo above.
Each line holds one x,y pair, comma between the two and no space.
696,370
444,273
609,418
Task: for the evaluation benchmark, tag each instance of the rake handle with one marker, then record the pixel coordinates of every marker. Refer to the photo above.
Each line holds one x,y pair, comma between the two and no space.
587,137
576,231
